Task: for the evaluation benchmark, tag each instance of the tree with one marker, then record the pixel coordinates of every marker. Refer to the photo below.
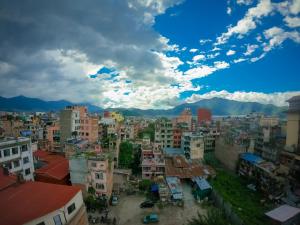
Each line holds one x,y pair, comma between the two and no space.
135,165
126,155
150,130
213,217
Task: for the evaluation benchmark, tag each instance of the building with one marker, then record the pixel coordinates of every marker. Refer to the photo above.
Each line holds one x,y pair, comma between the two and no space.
152,162
75,122
269,121
33,203
51,168
203,116
53,137
92,170
16,156
293,125
193,145
164,133
69,124
185,118
284,215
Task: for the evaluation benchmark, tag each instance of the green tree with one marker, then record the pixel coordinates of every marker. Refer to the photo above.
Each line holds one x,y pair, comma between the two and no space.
135,165
126,155
150,130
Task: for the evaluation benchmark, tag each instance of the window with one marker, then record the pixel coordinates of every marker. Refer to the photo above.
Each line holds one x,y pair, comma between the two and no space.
99,186
15,150
25,160
94,164
41,223
57,220
0,154
16,163
99,176
71,208
27,171
6,152
24,148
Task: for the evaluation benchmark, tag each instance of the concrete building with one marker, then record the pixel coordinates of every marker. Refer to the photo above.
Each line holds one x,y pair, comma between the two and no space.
193,145
92,170
164,133
53,137
33,203
293,125
186,118
203,116
75,121
152,162
269,121
16,156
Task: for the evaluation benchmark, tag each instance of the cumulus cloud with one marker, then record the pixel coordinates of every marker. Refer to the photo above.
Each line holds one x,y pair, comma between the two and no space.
198,57
230,52
292,22
193,50
248,23
277,36
276,98
244,2
250,49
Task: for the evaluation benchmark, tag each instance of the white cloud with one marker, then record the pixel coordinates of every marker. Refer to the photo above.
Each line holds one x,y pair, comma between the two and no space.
204,41
295,7
221,64
230,52
229,11
276,98
248,23
277,36
244,2
292,22
193,50
239,60
198,57
250,49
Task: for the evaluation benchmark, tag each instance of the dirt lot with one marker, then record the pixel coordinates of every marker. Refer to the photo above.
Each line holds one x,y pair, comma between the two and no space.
128,211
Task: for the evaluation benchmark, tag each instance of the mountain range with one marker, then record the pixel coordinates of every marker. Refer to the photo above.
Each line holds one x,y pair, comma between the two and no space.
218,106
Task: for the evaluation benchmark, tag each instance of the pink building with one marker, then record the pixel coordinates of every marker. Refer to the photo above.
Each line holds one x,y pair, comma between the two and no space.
153,162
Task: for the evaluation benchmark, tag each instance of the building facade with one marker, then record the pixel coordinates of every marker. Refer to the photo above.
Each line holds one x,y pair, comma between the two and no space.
16,156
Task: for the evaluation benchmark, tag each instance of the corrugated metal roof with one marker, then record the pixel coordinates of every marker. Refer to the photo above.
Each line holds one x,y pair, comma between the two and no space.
254,159
202,183
283,213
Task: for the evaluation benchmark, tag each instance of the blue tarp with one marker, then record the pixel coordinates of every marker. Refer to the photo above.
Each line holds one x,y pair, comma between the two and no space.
201,183
26,133
154,188
250,157
175,187
173,151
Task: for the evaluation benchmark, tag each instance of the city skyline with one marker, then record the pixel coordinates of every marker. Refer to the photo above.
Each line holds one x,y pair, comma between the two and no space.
150,54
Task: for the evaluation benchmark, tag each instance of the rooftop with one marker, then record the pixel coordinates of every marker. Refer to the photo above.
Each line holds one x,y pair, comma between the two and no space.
283,213
56,165
22,203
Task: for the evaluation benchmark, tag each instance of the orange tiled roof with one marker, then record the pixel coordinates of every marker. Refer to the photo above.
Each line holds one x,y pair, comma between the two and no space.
22,203
57,166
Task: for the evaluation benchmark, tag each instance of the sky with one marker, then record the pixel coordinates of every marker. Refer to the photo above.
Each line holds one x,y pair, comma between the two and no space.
150,53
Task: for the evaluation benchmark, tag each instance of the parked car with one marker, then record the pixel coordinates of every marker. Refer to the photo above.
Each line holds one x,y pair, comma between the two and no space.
114,200
151,218
147,204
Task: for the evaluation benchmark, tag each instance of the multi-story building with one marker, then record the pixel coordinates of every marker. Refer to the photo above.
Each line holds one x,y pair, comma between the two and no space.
153,162
75,121
164,133
16,156
33,203
186,118
193,145
53,137
293,125
203,116
92,170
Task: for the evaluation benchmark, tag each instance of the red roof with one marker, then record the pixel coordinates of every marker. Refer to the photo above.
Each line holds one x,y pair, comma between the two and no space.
6,180
25,202
57,166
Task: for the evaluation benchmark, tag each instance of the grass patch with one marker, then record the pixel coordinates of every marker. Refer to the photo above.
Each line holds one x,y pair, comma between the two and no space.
245,202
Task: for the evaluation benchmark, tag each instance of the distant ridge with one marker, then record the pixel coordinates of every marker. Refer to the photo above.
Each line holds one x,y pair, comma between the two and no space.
218,106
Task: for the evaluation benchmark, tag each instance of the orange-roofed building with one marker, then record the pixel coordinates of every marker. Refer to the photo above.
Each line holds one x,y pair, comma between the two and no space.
51,168
39,203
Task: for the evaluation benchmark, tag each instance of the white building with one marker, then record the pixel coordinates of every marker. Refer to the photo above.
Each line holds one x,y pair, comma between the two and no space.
192,145
16,155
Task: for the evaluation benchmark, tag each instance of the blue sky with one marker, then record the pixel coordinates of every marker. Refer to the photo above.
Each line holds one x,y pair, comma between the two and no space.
150,53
